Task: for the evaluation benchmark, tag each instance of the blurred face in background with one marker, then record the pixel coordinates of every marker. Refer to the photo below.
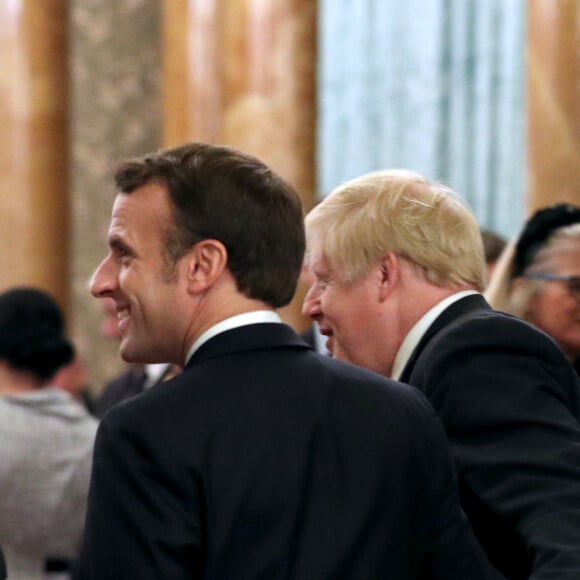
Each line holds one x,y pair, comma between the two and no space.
556,308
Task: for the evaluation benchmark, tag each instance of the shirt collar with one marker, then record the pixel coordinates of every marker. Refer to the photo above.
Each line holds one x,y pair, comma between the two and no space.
420,328
154,373
256,317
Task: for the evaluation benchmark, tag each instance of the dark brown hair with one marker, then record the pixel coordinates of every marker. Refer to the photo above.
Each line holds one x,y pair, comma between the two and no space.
220,193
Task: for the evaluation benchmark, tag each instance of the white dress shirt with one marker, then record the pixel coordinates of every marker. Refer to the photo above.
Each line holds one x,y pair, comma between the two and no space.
420,328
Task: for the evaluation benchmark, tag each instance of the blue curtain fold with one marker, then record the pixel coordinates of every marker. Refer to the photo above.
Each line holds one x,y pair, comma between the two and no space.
436,86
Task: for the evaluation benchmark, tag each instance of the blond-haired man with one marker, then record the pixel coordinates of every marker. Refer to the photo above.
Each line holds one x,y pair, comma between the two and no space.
399,267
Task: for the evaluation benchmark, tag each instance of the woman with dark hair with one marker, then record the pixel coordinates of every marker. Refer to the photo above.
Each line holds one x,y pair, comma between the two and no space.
538,276
46,440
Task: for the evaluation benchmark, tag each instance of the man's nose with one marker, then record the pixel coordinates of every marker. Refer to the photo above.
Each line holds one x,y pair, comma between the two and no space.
311,304
104,280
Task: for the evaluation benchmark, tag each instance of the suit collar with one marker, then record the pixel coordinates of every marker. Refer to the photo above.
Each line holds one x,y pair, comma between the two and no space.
247,338
242,319
458,309
420,327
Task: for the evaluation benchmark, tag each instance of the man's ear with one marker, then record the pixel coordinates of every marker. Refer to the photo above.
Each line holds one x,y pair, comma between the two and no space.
390,270
205,263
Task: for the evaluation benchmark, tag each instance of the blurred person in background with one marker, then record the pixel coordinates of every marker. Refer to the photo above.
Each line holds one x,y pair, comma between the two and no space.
538,277
46,440
493,246
74,378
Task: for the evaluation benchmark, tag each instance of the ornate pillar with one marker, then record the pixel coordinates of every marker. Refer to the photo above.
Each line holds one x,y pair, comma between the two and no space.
243,74
553,102
34,162
115,113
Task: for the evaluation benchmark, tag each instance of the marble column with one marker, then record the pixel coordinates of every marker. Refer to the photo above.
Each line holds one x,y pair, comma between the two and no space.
243,73
115,113
34,245
553,102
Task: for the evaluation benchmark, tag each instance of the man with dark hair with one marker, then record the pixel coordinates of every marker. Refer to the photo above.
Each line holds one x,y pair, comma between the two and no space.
261,459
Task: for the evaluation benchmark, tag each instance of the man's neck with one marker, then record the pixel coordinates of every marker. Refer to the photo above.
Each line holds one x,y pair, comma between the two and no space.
415,303
419,329
13,381
222,303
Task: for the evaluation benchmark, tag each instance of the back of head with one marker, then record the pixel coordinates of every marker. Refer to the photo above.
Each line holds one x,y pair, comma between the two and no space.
541,233
220,193
32,335
400,211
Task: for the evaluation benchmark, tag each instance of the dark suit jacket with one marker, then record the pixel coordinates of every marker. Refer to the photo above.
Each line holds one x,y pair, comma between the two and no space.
3,570
127,385
308,337
264,460
311,335
510,404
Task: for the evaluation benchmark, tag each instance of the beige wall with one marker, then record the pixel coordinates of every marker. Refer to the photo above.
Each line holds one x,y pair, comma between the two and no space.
243,73
553,91
34,235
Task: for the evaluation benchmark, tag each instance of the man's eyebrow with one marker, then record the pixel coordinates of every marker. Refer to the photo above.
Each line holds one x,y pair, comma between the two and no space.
116,242
321,272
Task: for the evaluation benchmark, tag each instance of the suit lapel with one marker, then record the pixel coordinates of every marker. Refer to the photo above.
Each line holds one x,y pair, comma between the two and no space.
456,310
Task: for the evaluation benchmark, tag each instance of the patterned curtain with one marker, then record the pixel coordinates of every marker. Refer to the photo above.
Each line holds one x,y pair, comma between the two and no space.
436,86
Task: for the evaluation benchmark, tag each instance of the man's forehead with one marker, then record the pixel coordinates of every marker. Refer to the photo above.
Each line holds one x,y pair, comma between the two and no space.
119,206
148,204
119,215
318,261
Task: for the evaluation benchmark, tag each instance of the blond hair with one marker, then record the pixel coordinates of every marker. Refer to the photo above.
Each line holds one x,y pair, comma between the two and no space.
400,211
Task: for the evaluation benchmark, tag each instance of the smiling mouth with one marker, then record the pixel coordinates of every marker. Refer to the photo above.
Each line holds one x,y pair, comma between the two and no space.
122,319
329,337
326,331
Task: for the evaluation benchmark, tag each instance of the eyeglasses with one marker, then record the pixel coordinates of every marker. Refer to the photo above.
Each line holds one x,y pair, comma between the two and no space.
572,282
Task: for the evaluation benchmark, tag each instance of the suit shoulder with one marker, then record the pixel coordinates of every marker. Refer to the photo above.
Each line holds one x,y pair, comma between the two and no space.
499,330
492,348
386,393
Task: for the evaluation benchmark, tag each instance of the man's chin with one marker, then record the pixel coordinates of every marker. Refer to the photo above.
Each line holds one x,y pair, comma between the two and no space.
133,355
129,354
339,354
